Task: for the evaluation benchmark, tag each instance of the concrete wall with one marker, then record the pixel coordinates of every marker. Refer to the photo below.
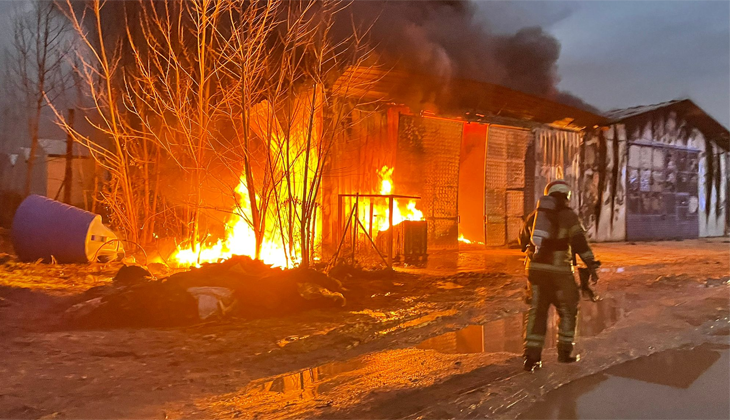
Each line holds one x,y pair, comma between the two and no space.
48,175
13,173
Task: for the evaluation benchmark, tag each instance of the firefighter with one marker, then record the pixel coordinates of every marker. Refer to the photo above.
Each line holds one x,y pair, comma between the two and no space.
550,274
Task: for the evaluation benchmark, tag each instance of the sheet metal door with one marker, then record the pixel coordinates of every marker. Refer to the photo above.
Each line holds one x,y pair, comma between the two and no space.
504,183
662,193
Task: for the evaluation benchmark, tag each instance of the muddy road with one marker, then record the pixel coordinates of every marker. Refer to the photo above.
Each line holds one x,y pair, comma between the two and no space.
435,342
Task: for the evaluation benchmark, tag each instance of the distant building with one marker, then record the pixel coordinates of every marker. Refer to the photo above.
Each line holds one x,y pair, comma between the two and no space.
657,172
49,171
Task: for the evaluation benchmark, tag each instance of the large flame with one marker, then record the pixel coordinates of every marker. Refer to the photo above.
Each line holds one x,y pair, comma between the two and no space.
239,240
291,174
381,213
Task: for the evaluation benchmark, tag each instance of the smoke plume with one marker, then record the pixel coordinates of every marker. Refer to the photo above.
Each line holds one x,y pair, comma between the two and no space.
447,39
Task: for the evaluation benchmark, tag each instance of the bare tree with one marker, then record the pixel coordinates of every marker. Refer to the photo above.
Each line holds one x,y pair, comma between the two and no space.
245,86
36,65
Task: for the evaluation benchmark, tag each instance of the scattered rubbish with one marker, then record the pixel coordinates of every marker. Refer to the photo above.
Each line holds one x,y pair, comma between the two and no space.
671,279
132,274
47,230
83,309
238,286
344,271
288,340
159,269
212,301
312,291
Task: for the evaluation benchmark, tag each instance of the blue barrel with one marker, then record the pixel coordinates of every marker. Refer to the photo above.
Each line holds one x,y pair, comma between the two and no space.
43,228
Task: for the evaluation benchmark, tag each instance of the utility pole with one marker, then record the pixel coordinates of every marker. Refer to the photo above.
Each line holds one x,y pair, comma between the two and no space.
68,178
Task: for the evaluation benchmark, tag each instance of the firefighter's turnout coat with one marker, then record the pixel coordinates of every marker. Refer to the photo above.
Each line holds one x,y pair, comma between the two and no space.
551,278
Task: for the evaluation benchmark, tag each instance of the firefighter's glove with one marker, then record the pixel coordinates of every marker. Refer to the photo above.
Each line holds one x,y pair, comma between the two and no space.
594,266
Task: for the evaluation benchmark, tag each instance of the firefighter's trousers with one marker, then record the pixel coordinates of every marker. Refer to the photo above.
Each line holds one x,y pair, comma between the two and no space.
560,290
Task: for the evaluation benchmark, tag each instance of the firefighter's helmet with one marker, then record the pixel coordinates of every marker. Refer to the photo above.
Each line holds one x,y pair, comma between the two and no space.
558,186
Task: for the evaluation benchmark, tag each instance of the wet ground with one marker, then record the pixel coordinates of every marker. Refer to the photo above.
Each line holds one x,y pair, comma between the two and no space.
673,384
505,335
435,342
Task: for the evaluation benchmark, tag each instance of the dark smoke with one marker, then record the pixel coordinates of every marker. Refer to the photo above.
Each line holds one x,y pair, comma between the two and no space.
447,40
442,38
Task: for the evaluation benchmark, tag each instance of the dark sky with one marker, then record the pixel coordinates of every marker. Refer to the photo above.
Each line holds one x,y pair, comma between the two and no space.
617,54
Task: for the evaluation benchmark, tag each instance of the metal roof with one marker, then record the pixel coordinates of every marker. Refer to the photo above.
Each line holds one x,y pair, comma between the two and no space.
688,110
459,97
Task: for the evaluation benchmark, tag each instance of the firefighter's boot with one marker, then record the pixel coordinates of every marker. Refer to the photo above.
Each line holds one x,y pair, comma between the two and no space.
532,359
564,353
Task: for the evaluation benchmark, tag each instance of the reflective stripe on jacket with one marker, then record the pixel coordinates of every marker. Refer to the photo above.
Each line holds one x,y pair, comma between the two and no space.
571,237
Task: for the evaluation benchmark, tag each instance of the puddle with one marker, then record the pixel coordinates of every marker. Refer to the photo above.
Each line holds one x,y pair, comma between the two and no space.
306,382
350,380
505,335
676,384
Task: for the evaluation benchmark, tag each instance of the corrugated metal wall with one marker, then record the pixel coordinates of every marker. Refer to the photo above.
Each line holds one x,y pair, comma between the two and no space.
557,156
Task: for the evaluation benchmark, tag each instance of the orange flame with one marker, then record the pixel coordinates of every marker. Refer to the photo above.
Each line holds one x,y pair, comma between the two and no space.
463,240
381,213
292,174
239,240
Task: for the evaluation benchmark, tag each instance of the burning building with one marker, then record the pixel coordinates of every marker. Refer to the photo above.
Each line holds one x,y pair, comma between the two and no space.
283,140
478,156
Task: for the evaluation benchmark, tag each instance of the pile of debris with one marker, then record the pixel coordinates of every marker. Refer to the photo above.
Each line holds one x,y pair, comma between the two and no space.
239,286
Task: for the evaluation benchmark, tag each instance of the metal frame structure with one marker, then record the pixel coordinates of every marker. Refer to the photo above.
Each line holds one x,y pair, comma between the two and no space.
358,224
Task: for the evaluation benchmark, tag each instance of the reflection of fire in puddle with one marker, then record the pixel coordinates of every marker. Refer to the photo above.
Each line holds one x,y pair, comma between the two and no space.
306,380
347,382
505,335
